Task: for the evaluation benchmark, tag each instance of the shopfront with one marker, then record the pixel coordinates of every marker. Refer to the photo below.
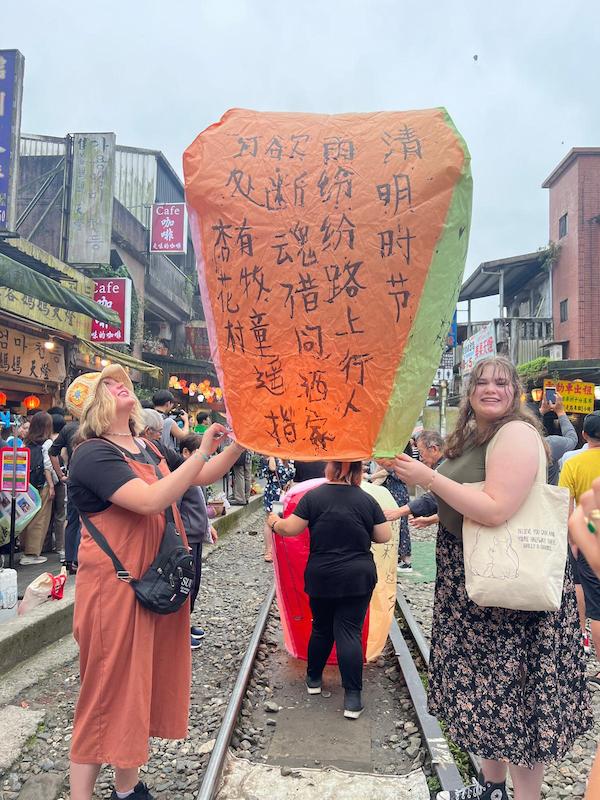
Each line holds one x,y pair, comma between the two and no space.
32,370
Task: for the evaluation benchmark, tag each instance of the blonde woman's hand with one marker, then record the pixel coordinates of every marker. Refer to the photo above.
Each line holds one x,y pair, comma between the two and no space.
212,438
391,514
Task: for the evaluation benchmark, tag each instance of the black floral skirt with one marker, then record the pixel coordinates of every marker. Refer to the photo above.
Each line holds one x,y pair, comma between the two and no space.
510,685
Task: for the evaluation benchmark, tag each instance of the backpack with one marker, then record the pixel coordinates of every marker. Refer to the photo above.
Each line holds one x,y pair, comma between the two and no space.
37,475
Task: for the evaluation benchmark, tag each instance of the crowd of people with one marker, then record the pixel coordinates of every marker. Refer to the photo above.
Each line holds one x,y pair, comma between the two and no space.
510,686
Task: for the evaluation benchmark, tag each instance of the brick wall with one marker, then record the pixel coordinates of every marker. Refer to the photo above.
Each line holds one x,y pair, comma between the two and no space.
576,275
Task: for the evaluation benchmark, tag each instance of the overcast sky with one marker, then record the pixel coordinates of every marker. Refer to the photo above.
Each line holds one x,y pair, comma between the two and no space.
157,73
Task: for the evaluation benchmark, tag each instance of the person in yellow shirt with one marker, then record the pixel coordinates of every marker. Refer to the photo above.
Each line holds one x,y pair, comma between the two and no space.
577,476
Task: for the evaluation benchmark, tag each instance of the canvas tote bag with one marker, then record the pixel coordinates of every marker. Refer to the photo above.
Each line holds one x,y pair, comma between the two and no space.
520,564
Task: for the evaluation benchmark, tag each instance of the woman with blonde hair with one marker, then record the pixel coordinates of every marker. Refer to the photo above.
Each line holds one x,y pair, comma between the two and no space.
510,685
135,665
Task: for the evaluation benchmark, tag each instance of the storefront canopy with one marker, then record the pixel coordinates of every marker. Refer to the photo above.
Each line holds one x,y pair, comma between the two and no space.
29,282
116,357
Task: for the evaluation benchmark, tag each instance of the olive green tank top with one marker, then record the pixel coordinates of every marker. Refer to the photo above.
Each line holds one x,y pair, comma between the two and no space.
467,468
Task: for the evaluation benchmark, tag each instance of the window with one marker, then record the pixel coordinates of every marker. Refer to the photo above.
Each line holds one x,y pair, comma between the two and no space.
562,226
564,310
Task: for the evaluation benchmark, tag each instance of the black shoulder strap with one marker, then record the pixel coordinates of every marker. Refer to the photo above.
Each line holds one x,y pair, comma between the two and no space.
99,537
100,540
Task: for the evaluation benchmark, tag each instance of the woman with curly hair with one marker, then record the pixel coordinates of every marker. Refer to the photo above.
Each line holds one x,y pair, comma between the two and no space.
510,685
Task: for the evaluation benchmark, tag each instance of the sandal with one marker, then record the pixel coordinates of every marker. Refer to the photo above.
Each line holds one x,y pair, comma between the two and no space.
594,678
268,558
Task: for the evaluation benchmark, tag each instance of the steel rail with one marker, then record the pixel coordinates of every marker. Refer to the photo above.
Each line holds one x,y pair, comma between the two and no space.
423,647
214,768
442,759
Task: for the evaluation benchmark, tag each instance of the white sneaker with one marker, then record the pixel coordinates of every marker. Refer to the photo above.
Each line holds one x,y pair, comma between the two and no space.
404,567
27,560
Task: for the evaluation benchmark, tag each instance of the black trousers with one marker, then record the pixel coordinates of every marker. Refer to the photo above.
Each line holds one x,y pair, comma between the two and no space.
196,549
339,620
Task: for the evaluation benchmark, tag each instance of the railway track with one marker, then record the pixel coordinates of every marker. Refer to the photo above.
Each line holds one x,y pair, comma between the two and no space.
412,653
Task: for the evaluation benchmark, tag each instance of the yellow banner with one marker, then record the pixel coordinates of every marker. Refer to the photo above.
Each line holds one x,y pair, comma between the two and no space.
577,396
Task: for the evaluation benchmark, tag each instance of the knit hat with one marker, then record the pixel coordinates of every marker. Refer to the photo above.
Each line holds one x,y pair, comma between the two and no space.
83,388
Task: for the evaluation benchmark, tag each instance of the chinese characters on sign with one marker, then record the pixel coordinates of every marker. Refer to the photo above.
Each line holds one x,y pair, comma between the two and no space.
168,228
23,356
114,293
577,396
92,191
316,239
11,89
477,347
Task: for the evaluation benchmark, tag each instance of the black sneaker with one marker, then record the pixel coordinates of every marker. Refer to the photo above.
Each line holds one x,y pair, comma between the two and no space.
480,789
140,792
197,633
313,686
353,706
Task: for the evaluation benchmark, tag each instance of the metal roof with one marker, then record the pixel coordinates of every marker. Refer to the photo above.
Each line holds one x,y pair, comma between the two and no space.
517,270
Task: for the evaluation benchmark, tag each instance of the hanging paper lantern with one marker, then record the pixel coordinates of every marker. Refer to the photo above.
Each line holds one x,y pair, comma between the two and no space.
193,387
185,390
31,401
200,398
3,399
219,394
172,381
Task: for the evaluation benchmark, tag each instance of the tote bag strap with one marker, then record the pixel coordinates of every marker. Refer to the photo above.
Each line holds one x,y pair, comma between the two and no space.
542,470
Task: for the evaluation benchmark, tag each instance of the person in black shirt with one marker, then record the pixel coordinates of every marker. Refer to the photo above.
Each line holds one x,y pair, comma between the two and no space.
340,575
66,440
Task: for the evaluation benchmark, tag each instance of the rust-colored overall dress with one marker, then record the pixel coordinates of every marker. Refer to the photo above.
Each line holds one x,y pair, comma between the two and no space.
135,666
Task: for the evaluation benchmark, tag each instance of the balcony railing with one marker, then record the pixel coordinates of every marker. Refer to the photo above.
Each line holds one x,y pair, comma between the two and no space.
519,338
167,281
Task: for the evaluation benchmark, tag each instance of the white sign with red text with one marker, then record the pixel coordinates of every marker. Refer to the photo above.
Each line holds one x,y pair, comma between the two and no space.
168,228
114,293
477,347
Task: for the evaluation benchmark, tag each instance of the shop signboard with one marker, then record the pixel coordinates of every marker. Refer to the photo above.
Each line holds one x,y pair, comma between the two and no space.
114,293
168,228
15,463
26,358
92,192
477,347
12,66
577,396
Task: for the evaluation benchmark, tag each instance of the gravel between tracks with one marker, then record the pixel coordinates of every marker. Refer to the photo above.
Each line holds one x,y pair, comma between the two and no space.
565,779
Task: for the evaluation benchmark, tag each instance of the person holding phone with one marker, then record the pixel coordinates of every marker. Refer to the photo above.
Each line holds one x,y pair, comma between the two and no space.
560,443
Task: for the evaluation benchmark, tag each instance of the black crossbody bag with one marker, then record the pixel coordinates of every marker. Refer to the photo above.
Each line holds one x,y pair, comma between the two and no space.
168,581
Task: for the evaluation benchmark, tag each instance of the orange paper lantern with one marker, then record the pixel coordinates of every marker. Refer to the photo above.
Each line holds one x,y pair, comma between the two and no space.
3,399
31,401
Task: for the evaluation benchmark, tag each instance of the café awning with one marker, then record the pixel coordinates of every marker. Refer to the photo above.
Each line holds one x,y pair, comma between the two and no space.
29,282
116,357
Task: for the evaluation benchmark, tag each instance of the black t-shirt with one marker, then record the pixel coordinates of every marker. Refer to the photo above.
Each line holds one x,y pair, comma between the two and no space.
341,520
65,439
305,470
97,470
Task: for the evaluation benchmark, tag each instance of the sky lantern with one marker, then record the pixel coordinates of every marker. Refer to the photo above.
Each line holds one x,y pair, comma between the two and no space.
330,256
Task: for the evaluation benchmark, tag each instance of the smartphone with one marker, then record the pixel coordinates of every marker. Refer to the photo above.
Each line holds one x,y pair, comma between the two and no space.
551,394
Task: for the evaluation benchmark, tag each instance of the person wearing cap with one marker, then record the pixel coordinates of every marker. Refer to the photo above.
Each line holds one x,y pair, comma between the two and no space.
577,476
135,666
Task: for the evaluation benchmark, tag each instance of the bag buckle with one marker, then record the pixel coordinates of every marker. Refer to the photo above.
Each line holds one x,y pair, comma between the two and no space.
123,575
